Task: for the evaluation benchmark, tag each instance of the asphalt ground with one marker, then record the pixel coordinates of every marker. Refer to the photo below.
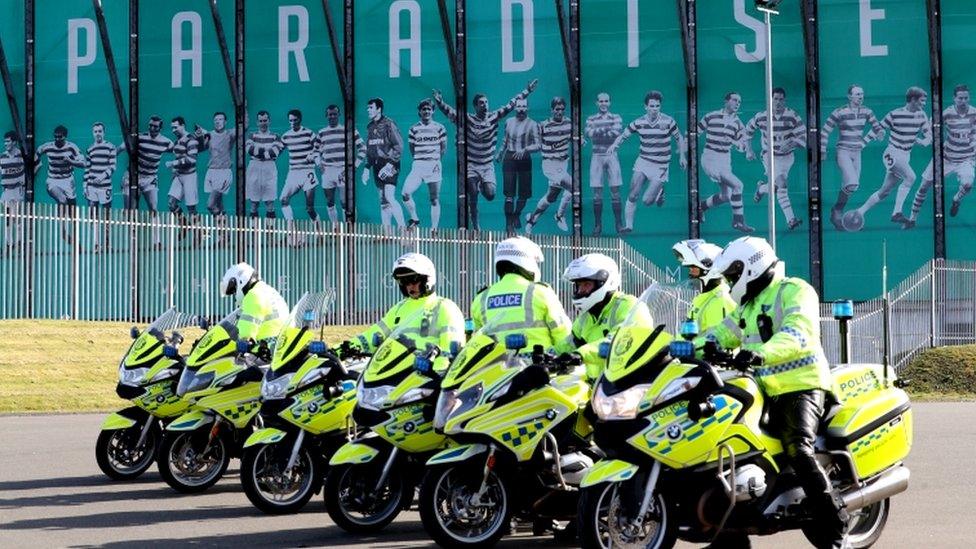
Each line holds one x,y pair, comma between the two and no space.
52,494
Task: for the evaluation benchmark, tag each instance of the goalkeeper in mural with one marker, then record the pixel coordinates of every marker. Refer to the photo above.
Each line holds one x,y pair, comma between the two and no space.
907,126
481,133
428,141
958,150
653,164
789,133
723,130
384,149
850,121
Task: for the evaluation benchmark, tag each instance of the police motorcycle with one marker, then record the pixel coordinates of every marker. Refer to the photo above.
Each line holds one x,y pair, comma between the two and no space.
373,478
307,400
522,443
129,438
221,382
691,452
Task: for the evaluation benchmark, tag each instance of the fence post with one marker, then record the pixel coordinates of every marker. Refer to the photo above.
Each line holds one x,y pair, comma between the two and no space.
932,288
75,260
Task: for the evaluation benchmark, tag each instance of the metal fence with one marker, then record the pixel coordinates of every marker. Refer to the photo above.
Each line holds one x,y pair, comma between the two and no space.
122,265
935,306
89,264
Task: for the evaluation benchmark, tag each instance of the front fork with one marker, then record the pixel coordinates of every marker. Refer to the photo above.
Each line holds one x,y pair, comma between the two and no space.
489,464
630,491
145,431
294,450
386,469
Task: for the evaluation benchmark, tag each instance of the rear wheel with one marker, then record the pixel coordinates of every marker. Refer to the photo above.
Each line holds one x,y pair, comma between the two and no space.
455,514
190,462
119,454
602,524
270,487
864,529
357,505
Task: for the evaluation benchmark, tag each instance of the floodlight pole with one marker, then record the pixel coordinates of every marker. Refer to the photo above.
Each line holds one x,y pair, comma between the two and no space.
771,166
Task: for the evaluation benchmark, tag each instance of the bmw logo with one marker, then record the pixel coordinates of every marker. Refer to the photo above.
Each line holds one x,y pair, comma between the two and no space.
409,427
550,414
674,431
312,408
160,399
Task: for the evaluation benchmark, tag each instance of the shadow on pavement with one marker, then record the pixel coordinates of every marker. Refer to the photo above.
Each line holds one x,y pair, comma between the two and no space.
161,492
75,482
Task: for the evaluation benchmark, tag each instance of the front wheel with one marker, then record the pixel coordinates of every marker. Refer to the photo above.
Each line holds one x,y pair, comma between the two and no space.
603,525
119,454
270,487
357,505
456,512
864,528
190,462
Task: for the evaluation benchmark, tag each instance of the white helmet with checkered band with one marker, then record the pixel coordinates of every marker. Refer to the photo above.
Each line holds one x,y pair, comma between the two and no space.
747,264
521,252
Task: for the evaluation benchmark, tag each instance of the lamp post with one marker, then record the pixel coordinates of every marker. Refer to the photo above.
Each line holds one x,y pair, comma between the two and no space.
768,7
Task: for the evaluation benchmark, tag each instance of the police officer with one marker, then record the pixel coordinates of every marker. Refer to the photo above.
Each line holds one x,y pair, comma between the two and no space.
263,310
714,302
517,303
433,319
600,307
777,326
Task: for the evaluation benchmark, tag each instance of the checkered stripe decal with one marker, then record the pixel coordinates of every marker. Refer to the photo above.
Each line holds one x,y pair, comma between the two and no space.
786,366
724,410
865,442
238,412
523,433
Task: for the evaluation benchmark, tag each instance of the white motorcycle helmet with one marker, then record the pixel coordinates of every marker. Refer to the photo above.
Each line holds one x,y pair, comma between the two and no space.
696,253
599,268
748,264
523,254
236,279
410,267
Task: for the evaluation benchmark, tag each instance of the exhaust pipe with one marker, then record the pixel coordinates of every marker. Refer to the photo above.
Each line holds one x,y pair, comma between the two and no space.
888,484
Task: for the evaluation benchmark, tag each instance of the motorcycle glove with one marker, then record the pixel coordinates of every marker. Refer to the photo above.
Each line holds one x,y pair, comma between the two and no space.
746,359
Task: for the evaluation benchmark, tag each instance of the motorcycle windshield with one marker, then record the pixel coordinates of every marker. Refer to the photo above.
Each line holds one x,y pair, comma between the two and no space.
219,341
148,345
482,349
667,302
397,352
306,317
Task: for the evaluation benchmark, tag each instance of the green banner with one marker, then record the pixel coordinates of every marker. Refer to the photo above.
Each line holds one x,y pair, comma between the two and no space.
958,51
290,67
630,50
515,51
12,39
181,74
71,71
401,59
732,106
874,71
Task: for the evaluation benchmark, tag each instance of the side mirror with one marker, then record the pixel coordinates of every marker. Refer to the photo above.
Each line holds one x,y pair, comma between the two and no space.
134,332
204,323
176,339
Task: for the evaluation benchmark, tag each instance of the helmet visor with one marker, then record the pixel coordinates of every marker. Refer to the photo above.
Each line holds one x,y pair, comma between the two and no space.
231,286
734,272
583,287
408,278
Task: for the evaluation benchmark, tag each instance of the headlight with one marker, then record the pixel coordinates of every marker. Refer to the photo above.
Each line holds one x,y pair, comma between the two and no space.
190,382
676,387
415,394
164,374
276,388
622,405
372,398
132,376
445,405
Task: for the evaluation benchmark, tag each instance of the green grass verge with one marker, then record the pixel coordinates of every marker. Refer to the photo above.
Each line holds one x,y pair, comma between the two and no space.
72,366
945,373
